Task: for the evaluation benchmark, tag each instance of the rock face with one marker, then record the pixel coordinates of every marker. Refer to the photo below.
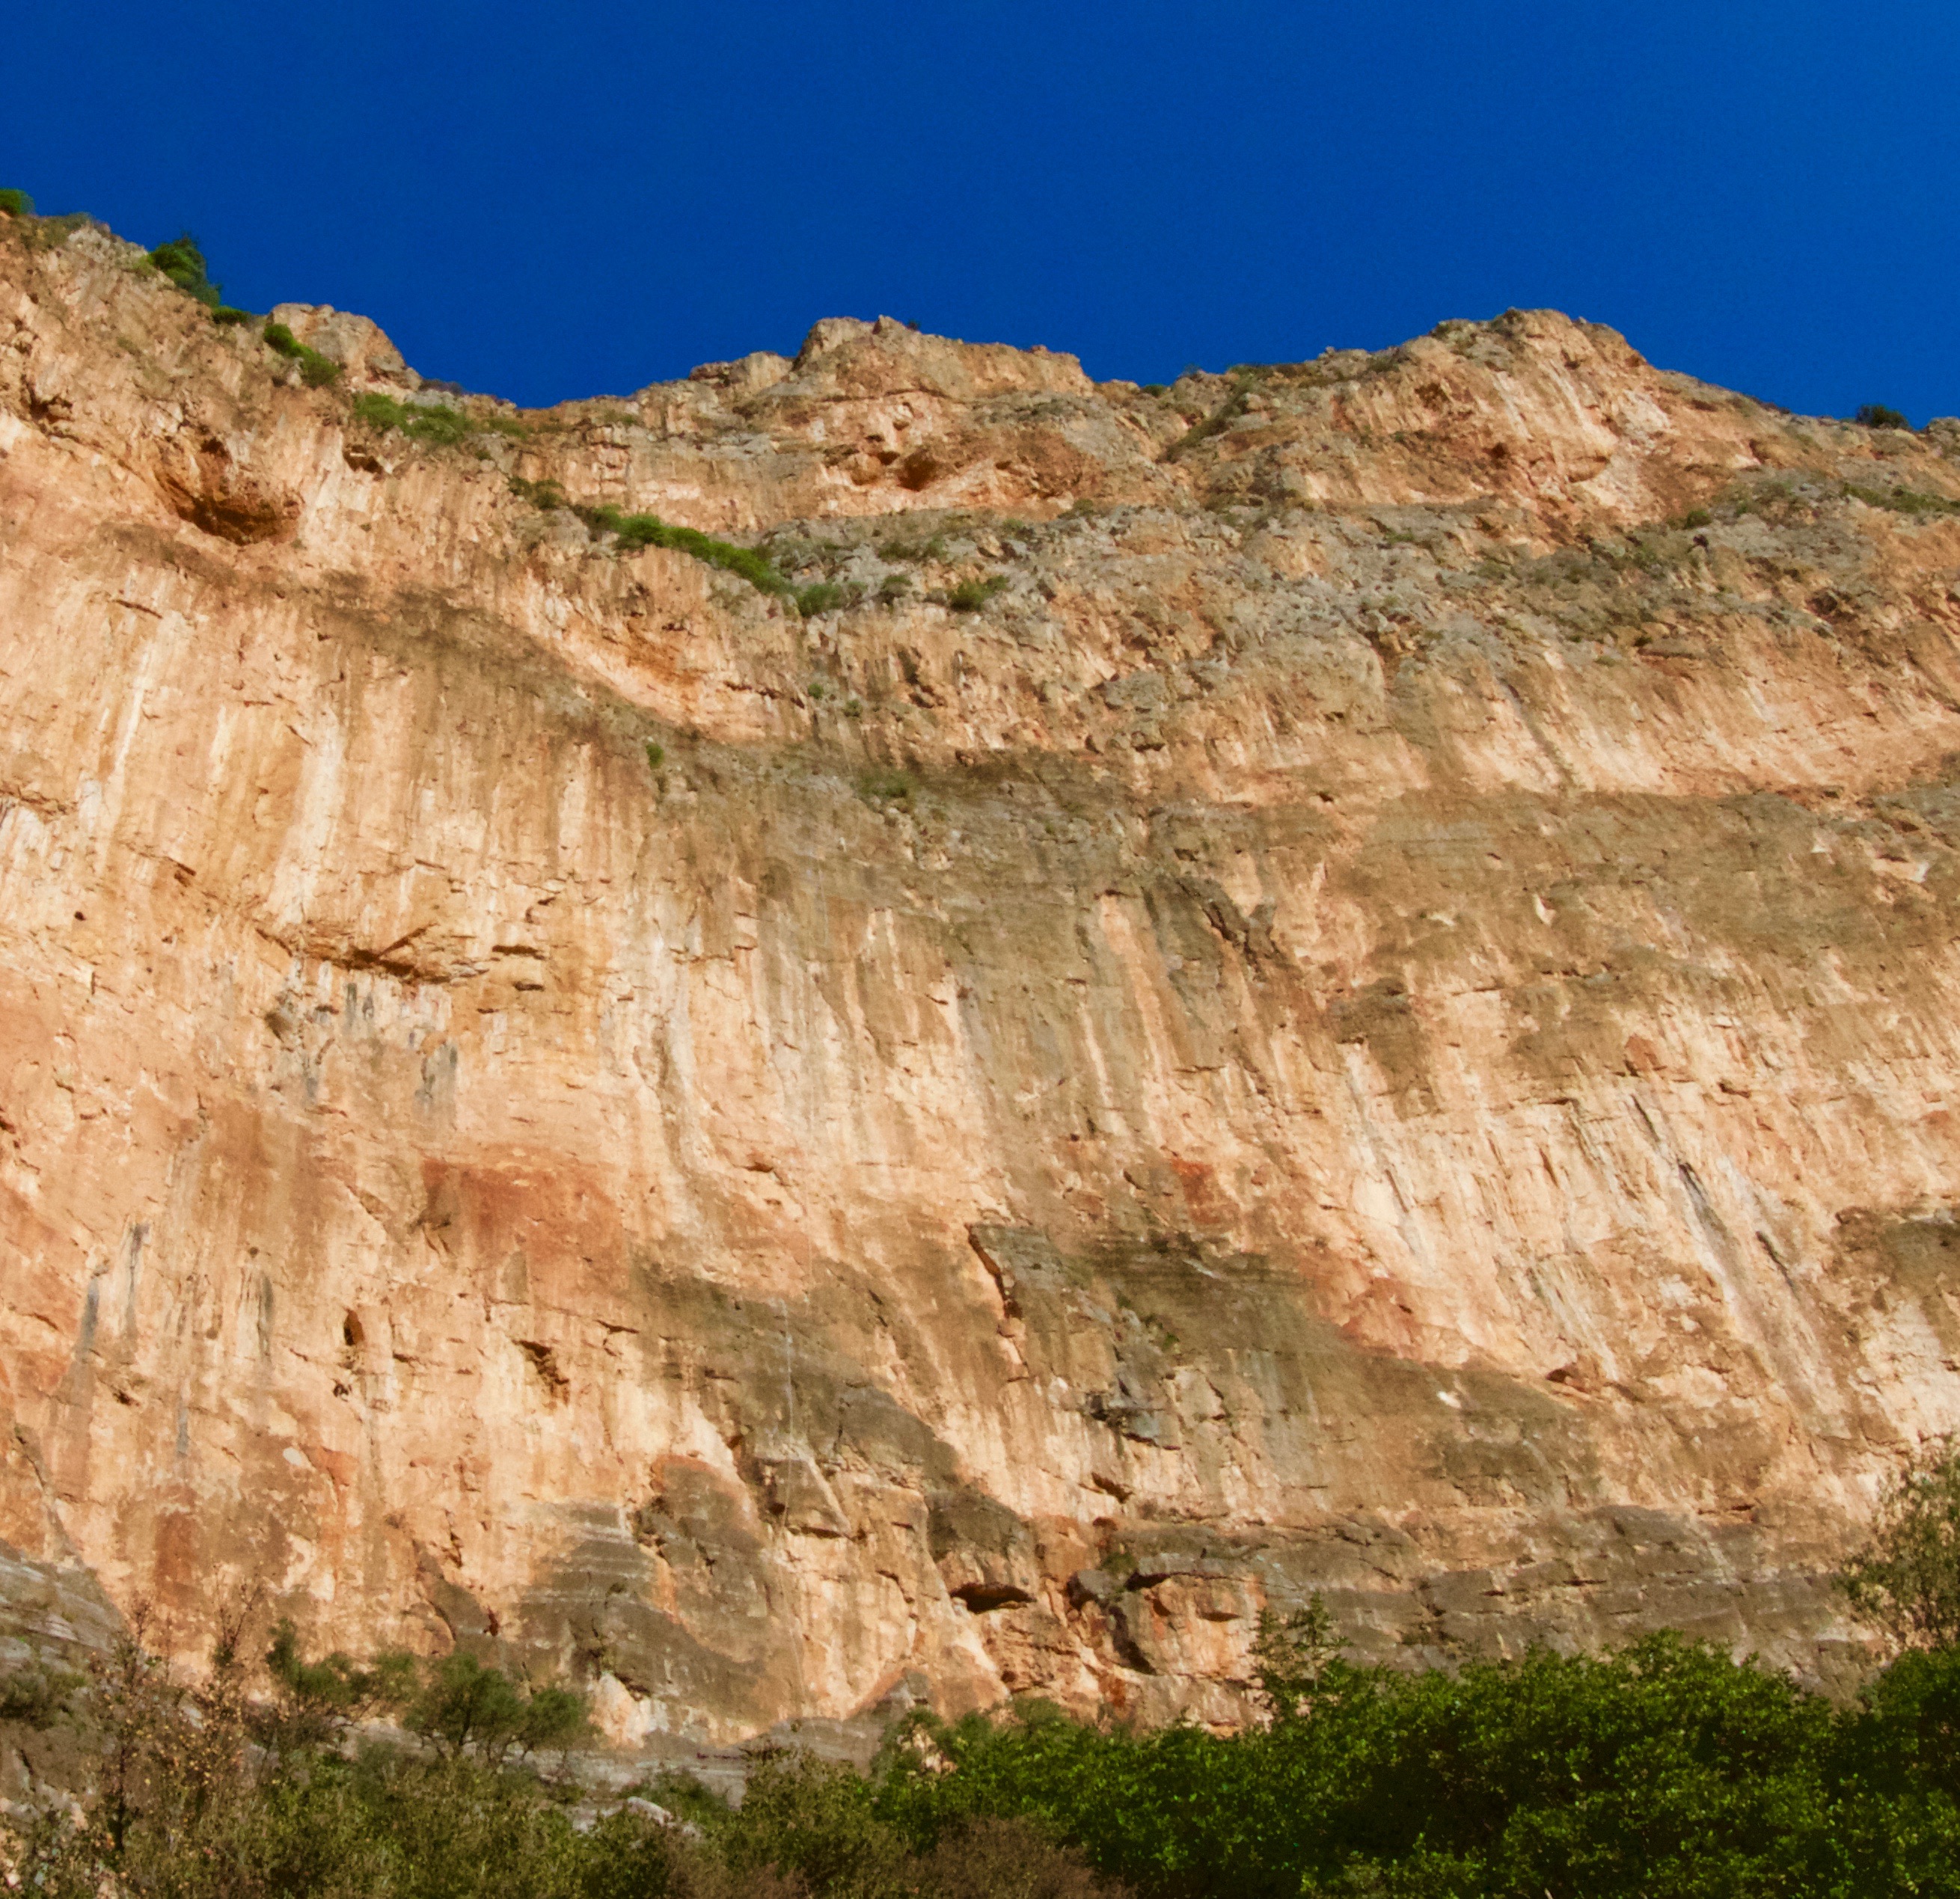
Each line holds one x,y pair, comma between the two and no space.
1374,1018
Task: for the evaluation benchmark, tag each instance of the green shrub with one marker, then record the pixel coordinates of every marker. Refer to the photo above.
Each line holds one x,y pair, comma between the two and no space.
657,754
545,495
459,1706
885,784
16,204
313,1701
817,1821
434,423
633,531
970,595
1668,1769
316,371
36,1693
826,596
183,262
1877,415
1244,379
1906,1579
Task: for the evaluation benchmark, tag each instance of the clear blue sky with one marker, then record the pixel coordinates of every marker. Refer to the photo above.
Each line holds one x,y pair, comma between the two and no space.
548,200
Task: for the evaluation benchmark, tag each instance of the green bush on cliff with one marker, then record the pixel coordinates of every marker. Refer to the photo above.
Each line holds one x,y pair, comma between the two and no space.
826,596
545,495
316,371
970,595
629,533
16,204
36,1693
633,531
436,423
183,262
1906,1579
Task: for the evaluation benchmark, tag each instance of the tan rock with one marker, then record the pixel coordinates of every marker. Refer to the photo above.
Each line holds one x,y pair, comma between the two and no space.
357,343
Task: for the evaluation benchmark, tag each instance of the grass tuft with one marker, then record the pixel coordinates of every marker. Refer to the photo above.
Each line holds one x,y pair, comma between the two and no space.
886,784
969,597
826,596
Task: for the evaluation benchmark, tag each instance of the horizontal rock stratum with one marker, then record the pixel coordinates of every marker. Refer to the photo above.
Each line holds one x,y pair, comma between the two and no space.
1377,1015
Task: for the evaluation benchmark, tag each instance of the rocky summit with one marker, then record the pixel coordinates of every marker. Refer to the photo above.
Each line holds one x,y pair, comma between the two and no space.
1089,1009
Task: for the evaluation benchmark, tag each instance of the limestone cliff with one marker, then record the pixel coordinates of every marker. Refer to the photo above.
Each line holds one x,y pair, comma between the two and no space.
1372,1015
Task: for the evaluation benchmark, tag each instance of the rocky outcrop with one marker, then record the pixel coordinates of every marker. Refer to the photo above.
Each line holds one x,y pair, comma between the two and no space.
1375,1016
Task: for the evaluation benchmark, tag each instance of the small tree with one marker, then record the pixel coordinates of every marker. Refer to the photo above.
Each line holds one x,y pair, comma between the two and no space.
315,1701
1297,1660
463,1706
558,1718
1906,1579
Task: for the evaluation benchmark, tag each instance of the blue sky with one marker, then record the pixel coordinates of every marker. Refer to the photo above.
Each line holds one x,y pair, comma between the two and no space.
575,199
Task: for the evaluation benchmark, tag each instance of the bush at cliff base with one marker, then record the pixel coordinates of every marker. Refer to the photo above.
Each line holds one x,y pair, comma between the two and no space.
1667,1770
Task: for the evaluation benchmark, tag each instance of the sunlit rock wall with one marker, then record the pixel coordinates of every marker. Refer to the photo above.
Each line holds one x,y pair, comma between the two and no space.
1377,1018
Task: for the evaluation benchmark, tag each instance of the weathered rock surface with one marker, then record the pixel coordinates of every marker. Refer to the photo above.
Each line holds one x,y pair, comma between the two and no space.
1375,1019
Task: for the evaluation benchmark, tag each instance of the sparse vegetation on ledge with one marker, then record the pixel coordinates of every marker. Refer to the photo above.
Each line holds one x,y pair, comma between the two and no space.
316,371
633,531
440,425
433,422
969,597
630,531
826,596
